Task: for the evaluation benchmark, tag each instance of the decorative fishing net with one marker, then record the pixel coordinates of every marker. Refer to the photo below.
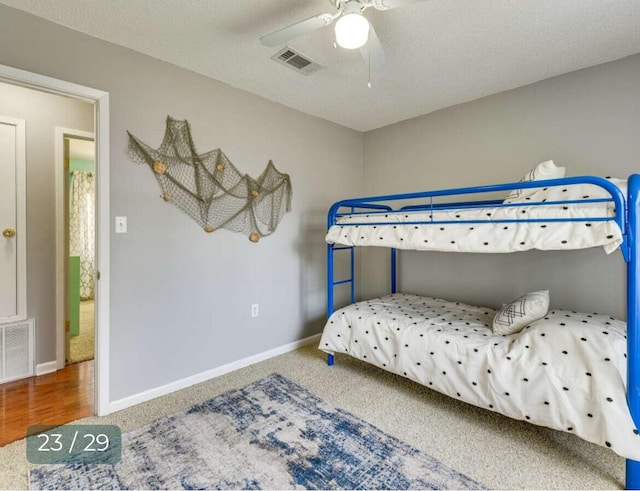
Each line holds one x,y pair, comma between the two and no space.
209,188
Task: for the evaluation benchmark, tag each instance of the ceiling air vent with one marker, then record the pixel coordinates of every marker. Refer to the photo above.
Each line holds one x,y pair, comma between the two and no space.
296,61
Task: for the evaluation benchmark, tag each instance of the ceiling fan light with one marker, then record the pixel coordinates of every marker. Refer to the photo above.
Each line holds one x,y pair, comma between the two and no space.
352,31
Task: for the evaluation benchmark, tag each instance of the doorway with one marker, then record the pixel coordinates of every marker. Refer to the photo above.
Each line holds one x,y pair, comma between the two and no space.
100,101
80,193
25,398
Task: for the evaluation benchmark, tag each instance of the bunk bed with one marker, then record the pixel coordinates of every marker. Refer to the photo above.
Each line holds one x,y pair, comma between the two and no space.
571,371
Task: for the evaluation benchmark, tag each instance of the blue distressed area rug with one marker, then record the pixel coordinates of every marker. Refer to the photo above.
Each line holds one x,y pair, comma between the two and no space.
271,434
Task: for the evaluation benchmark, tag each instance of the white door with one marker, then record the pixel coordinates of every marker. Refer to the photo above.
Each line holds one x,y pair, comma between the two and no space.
12,220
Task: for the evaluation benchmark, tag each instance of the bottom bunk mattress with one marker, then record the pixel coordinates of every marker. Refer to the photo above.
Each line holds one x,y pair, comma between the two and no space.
566,371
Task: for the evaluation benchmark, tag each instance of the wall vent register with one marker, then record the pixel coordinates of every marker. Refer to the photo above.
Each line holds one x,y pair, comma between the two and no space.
16,350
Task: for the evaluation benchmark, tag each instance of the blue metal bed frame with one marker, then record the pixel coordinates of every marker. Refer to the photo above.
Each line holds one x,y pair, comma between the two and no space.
627,217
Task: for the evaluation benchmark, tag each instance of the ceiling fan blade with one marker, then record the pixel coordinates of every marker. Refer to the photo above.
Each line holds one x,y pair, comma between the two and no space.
392,4
372,51
286,34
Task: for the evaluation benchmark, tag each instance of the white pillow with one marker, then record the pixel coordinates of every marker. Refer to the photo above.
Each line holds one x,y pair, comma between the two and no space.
545,170
515,316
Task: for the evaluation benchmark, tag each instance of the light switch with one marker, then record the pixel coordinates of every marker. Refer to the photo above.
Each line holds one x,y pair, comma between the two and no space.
121,225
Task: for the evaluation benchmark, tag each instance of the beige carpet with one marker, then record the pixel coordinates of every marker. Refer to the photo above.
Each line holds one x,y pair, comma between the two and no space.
499,452
82,346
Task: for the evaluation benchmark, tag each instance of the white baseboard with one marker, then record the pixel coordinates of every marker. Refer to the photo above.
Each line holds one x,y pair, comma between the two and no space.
48,367
147,395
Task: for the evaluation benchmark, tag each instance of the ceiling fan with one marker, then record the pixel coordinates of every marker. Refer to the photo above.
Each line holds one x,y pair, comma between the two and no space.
352,29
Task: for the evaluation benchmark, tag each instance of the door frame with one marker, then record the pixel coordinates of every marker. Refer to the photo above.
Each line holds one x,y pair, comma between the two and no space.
21,219
62,223
100,99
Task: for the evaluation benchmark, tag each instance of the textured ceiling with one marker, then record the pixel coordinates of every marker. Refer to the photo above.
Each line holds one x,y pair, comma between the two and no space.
439,52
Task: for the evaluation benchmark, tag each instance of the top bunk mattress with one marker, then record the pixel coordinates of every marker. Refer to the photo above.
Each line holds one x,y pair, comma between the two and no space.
544,211
483,229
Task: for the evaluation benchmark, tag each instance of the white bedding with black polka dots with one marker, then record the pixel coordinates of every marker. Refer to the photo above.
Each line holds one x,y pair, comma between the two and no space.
566,371
408,230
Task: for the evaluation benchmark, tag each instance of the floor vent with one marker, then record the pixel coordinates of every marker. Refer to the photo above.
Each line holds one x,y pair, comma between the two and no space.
296,61
16,350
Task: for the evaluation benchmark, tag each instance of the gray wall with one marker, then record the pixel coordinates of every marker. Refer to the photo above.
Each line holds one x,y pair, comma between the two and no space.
180,298
587,121
42,113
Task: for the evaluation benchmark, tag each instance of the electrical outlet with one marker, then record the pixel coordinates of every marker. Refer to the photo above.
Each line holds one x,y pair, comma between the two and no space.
255,310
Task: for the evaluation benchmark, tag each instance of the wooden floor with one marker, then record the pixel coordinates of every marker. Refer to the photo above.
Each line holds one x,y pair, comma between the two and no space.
52,399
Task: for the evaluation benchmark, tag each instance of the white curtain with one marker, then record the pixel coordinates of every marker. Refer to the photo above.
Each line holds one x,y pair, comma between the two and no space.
82,228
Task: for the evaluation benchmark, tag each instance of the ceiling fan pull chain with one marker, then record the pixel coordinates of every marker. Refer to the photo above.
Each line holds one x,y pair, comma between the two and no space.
369,55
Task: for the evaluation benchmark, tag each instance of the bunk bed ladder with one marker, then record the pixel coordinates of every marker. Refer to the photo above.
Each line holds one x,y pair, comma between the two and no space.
332,282
632,480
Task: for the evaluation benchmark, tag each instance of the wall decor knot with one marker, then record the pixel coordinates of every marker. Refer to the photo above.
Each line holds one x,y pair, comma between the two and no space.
210,189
